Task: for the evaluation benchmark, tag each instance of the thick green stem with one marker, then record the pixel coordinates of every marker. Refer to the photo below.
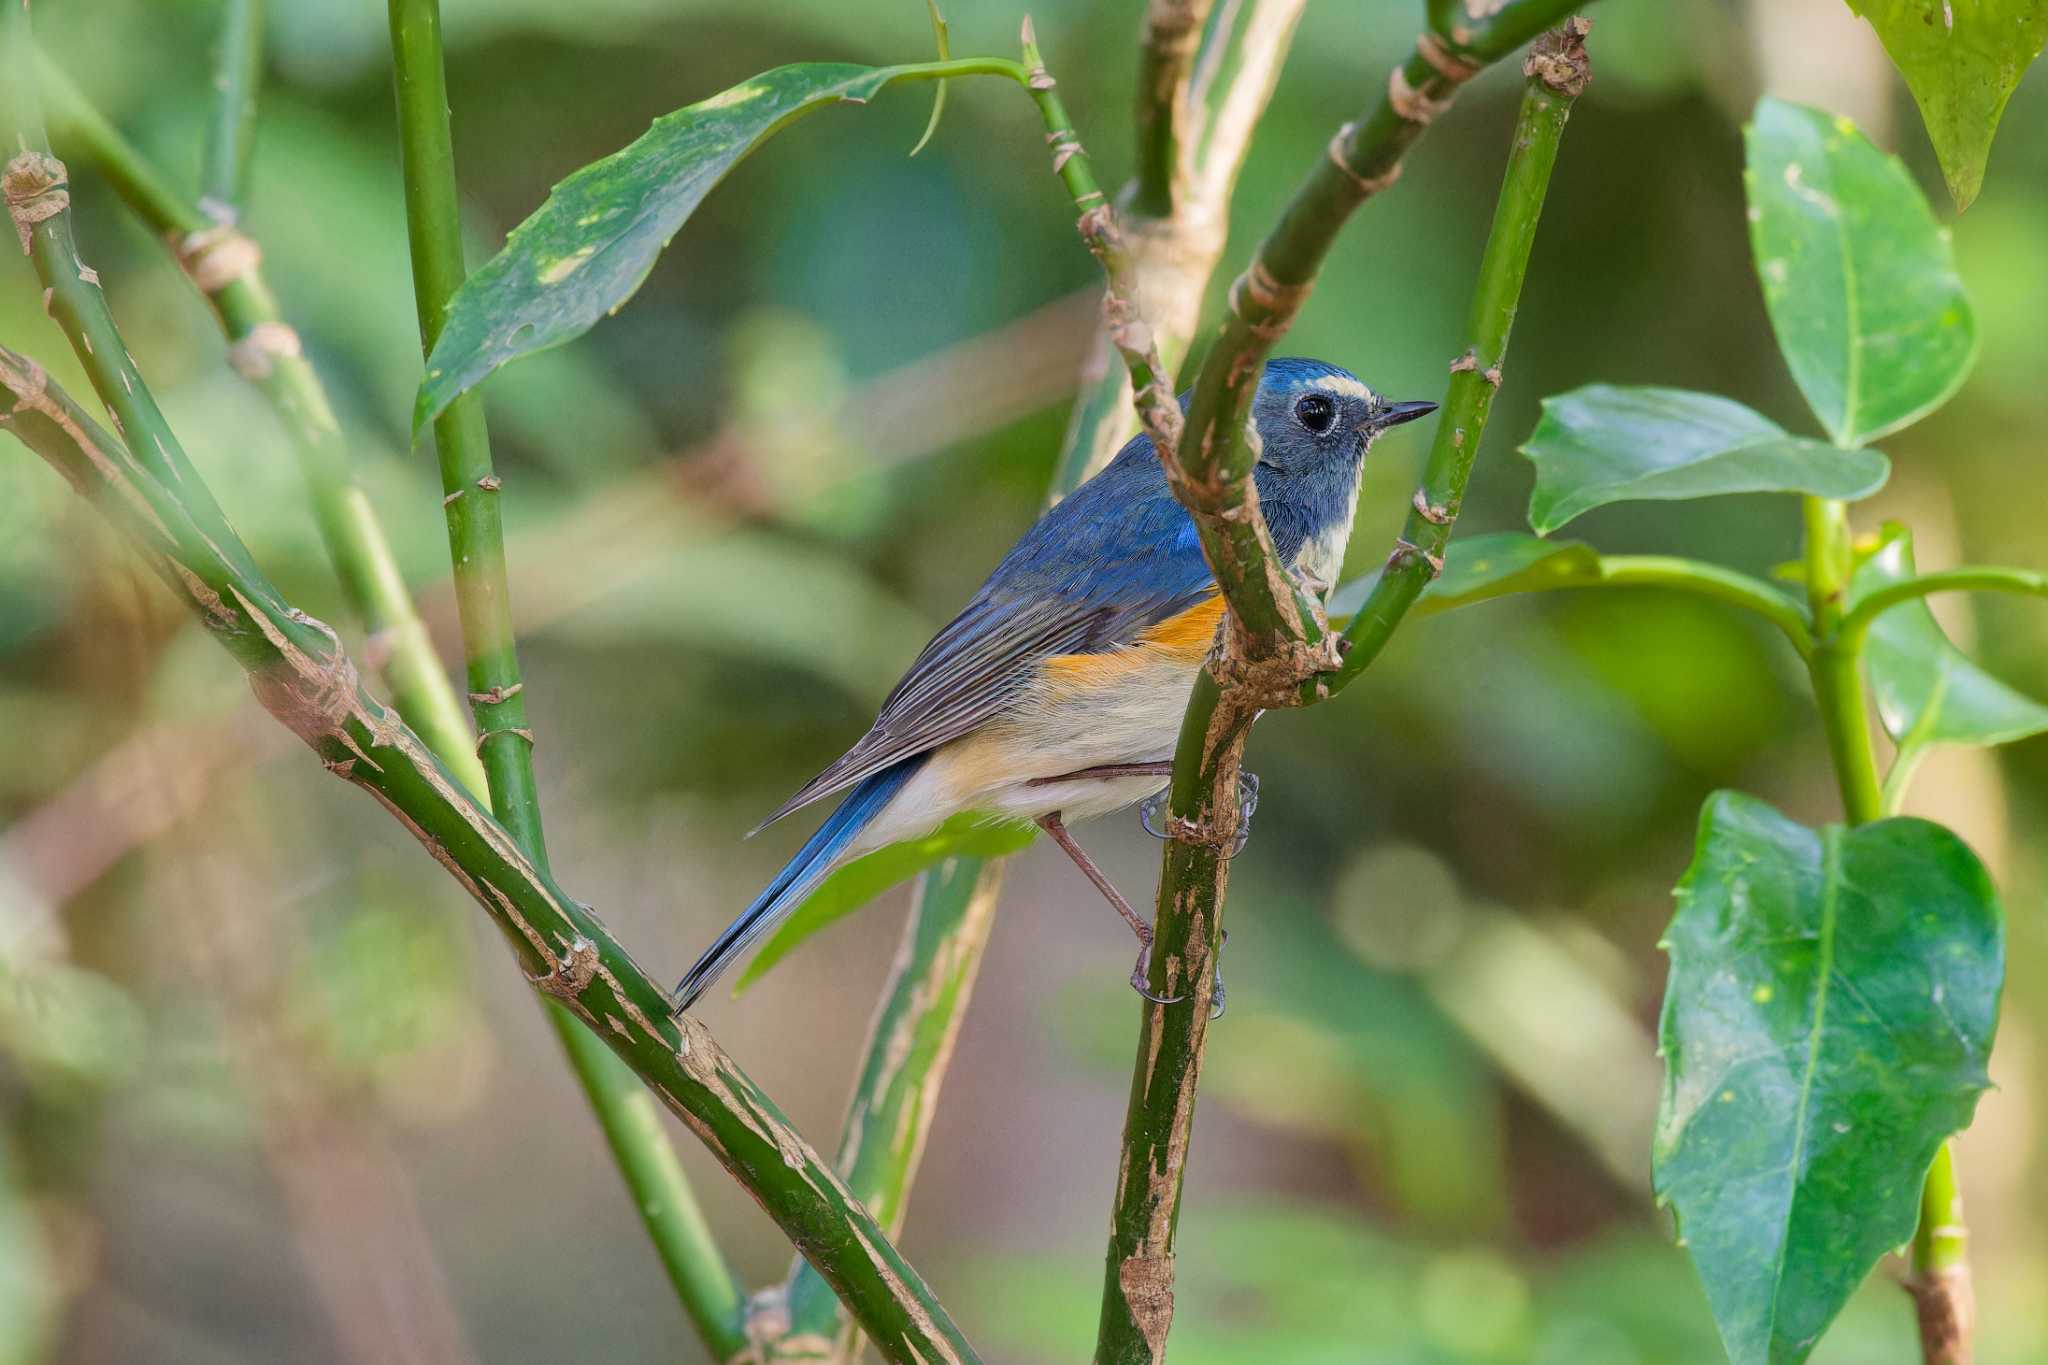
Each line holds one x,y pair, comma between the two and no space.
1836,663
470,487
231,123
1203,801
299,672
1939,1279
225,265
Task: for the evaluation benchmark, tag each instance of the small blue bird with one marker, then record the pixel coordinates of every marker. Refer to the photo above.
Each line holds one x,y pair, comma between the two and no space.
1057,694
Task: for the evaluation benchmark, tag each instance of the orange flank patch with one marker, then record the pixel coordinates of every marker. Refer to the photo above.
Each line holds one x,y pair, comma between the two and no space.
1182,639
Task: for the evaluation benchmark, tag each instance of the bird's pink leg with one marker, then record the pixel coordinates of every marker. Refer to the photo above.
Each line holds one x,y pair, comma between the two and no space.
1051,825
1106,770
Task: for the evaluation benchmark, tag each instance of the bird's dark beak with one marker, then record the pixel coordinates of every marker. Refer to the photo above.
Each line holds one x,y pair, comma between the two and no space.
1393,414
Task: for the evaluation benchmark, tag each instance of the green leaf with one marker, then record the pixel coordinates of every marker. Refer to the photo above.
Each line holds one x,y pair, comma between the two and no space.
586,250
1961,59
1477,568
1603,444
1830,1009
1859,279
867,877
1927,690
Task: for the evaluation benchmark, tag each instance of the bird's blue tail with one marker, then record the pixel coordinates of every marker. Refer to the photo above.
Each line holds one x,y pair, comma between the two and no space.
798,878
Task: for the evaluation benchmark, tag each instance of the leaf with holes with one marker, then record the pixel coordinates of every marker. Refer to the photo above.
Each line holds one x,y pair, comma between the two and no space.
1830,1009
1478,568
1927,690
1859,279
587,249
1961,59
860,881
1603,444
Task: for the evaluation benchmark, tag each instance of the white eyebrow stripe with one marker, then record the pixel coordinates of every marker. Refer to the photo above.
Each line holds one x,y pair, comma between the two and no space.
1344,383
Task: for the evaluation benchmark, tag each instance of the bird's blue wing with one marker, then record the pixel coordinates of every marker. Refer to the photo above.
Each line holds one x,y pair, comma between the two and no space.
1116,558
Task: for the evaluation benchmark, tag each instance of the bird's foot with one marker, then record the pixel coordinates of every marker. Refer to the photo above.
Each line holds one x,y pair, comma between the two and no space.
1152,812
1216,998
1141,975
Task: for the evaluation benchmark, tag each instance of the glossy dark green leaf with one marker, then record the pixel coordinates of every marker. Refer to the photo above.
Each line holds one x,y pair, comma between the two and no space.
586,250
1961,59
1603,444
1859,279
1481,567
1830,1009
1927,690
867,877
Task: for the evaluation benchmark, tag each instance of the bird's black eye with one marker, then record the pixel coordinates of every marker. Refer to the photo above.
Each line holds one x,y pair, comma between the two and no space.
1315,412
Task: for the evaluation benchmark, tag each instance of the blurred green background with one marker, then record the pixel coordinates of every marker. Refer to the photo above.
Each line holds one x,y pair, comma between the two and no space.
270,1090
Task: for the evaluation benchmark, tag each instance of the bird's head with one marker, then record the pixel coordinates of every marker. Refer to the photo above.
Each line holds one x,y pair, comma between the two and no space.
1314,417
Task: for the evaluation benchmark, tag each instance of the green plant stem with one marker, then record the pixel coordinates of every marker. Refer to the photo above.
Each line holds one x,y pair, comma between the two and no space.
1968,578
1939,1277
1702,579
1475,378
1939,1282
1137,1298
1835,664
1173,257
470,486
1166,55
266,350
299,672
231,122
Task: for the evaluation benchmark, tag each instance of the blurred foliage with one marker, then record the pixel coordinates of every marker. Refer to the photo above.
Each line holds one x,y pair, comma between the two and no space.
1442,966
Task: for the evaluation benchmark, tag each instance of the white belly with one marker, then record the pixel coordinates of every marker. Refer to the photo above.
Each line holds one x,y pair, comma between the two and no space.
1135,720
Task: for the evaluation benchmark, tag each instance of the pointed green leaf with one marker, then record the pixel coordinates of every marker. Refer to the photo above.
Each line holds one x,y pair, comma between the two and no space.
1830,1009
1603,444
586,250
1961,59
867,877
1859,279
1480,567
1927,690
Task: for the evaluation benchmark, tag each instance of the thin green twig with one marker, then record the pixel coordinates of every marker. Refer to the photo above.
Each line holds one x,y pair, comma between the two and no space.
1166,56
1968,578
471,500
1701,579
231,120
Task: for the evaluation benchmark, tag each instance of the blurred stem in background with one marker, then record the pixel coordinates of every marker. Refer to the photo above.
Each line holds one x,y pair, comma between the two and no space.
1137,1298
1939,1273
660,1191
1197,108
225,264
231,130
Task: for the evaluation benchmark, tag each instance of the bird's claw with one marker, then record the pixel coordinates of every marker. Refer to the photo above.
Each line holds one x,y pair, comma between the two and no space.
1141,975
1216,999
1154,806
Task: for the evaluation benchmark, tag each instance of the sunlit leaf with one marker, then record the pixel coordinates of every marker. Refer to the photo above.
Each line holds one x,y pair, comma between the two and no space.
865,878
586,250
1927,690
1603,444
1830,1009
1859,279
1477,568
1961,59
